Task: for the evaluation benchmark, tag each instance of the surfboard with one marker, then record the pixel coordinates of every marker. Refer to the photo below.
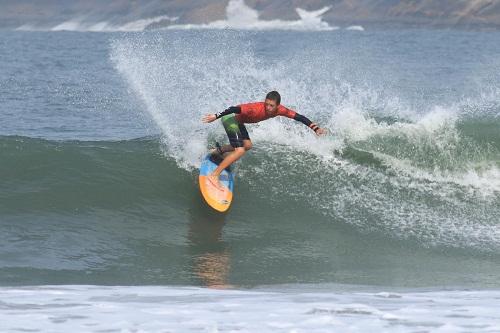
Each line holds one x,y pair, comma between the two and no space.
218,199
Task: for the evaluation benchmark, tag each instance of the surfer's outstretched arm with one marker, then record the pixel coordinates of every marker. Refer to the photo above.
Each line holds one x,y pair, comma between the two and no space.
304,120
211,117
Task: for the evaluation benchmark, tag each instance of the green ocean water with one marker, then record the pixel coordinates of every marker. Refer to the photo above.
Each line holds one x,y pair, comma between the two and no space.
101,139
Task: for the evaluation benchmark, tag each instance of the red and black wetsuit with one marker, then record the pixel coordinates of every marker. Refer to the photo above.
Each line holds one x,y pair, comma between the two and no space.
253,113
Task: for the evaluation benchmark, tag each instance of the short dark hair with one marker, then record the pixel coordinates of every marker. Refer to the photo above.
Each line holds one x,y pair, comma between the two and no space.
274,96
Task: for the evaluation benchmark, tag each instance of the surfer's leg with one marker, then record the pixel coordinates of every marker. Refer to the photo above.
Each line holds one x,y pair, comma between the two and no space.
247,144
239,143
221,150
236,133
242,140
227,149
233,157
227,161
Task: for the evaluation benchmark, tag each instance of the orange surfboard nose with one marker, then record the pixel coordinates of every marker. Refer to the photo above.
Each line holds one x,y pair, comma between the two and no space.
218,198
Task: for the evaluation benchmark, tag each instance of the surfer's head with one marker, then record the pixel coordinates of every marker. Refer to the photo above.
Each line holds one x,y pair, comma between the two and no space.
273,99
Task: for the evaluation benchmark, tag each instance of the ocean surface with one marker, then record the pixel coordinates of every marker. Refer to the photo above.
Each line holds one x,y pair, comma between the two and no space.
390,223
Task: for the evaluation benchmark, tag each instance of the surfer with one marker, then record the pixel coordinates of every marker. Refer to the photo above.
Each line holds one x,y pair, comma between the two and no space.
234,120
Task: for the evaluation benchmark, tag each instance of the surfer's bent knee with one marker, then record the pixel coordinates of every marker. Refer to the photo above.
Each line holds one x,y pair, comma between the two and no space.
240,150
247,144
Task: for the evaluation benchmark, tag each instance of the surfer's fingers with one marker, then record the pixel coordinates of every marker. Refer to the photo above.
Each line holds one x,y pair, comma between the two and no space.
321,132
208,118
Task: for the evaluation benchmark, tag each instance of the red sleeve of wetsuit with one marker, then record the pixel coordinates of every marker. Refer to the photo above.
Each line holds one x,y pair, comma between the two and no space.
286,112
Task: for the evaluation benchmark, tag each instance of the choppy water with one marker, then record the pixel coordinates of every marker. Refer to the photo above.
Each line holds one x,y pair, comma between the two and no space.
100,138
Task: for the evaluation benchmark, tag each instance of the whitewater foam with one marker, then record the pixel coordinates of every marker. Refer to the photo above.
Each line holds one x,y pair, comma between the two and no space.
355,28
105,26
188,309
463,191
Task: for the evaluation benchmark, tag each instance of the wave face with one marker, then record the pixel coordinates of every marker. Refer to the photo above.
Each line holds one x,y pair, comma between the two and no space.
404,191
420,175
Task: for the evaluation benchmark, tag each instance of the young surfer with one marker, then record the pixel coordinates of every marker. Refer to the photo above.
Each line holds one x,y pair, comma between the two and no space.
234,119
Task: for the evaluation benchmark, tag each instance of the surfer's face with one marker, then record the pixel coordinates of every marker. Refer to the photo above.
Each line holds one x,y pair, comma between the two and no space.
271,106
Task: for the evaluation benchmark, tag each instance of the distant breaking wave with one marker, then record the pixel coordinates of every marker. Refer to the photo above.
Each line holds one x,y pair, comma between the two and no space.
242,17
79,24
138,25
239,16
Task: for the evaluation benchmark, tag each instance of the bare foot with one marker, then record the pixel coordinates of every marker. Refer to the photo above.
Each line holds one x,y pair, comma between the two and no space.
215,181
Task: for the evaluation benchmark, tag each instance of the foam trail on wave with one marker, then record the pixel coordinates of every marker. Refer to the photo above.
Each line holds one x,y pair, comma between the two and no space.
434,185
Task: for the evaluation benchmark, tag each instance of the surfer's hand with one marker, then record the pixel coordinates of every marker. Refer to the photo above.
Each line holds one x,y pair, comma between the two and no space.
320,131
208,118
